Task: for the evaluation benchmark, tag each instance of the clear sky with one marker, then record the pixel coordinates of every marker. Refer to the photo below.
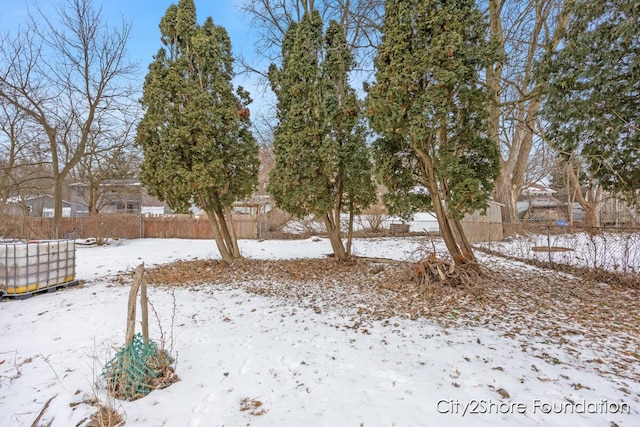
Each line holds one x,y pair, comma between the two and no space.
145,16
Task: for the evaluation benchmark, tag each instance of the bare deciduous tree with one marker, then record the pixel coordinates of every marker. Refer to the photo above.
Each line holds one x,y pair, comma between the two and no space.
110,155
591,199
103,176
68,73
271,18
526,30
23,168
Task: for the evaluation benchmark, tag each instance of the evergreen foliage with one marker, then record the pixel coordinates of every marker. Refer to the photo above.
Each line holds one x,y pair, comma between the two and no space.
195,131
429,110
593,100
322,163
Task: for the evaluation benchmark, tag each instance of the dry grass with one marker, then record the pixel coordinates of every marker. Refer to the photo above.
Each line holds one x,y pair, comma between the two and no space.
105,416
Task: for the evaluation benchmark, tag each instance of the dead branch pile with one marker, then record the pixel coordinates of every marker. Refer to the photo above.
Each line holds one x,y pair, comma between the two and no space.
435,272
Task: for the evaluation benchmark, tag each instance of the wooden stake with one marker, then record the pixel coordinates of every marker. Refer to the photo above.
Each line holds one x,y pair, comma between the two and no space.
144,309
131,311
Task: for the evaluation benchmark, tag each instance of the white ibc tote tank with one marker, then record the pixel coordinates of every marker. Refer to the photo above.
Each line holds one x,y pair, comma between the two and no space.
30,267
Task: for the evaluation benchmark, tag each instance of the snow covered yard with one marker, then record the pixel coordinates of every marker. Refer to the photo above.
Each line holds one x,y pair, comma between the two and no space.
613,251
271,351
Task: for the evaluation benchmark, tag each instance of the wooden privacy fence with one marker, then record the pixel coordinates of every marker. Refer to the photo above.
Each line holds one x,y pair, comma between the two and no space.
98,226
118,226
196,227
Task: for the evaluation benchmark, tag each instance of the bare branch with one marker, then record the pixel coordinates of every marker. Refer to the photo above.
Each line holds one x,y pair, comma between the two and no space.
68,73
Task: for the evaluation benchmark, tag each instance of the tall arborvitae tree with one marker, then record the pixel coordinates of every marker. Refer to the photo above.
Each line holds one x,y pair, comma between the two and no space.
428,107
593,103
351,180
322,163
195,132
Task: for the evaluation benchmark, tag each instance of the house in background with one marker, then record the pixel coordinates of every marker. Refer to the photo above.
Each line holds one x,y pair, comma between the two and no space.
40,205
538,203
615,209
115,196
618,211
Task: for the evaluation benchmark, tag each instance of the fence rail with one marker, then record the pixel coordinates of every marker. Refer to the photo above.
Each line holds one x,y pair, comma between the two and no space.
613,249
126,227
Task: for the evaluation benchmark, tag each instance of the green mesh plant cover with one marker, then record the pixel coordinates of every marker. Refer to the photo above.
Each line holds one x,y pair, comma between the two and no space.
137,369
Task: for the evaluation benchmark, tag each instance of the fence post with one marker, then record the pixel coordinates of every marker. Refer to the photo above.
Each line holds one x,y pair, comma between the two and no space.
549,243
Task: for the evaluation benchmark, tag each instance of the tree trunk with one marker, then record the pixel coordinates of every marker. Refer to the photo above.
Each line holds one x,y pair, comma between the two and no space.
446,231
350,231
592,215
494,72
445,228
463,243
526,106
502,191
92,197
335,238
57,204
230,236
333,226
228,249
592,203
504,194
570,199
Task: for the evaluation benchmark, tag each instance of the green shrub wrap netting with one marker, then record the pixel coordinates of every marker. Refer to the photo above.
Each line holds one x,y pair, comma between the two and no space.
137,369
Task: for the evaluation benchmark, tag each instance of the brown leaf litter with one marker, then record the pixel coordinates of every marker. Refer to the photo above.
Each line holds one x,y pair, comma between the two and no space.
534,305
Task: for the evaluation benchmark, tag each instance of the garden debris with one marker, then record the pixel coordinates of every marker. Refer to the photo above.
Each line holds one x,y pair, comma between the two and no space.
535,305
434,271
137,369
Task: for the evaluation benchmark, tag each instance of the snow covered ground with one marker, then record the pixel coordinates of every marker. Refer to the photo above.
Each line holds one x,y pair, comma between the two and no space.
617,251
419,222
304,368
614,251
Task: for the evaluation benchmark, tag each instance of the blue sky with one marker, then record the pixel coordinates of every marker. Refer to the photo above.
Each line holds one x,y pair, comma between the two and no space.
145,16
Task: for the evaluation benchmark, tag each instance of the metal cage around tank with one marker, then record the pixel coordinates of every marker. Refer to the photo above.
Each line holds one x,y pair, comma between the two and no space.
35,266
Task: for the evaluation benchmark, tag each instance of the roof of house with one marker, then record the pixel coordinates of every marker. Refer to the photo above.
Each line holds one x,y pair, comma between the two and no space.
111,183
21,199
537,189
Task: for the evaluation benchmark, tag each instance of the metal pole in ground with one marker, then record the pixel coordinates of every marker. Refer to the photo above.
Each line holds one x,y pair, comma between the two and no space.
489,233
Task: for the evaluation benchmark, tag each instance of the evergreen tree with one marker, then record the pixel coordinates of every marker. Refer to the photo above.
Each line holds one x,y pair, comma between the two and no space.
322,163
195,131
429,110
593,101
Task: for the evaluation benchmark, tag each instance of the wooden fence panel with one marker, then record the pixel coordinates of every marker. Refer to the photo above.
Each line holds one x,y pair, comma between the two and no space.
246,226
177,226
118,226
192,227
